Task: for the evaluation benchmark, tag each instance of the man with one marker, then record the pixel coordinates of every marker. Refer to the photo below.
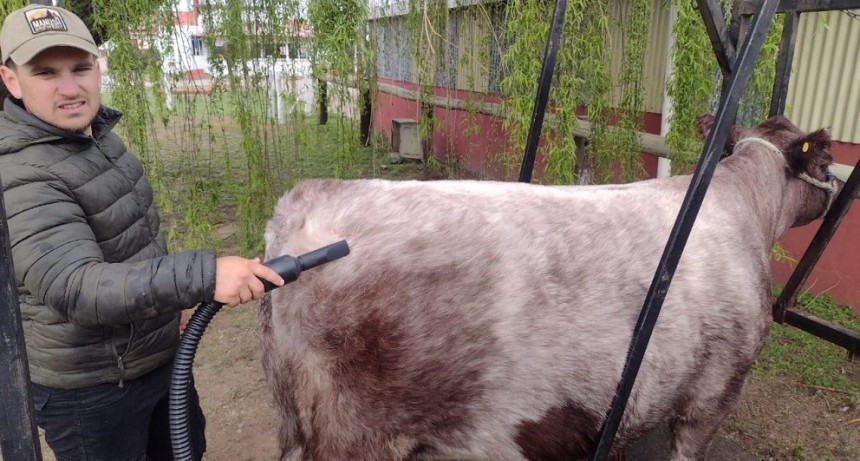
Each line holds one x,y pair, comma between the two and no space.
100,297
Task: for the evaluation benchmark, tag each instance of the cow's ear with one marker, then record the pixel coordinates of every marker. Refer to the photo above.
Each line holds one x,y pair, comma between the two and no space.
705,122
809,154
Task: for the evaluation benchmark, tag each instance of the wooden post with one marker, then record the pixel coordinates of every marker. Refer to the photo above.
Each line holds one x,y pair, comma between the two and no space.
582,169
323,86
366,113
18,437
427,141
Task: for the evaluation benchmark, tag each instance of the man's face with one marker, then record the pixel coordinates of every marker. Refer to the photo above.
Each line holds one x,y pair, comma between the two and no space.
60,86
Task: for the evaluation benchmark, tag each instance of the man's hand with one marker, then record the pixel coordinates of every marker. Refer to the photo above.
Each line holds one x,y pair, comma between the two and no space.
183,320
236,280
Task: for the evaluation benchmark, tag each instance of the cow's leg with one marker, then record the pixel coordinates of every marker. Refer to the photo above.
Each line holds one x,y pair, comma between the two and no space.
694,429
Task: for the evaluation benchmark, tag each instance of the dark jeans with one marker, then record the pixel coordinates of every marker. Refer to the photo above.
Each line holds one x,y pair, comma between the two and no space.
112,423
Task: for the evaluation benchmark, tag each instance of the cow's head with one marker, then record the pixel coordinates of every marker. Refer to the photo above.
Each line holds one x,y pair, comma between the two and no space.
809,159
807,155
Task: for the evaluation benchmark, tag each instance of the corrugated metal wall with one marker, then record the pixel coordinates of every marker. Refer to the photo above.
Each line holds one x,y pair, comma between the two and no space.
654,71
473,43
824,90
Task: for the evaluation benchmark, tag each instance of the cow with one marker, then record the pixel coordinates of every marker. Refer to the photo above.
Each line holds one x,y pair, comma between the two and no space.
482,320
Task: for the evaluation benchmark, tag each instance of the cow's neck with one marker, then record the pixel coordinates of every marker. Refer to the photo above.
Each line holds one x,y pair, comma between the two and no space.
759,170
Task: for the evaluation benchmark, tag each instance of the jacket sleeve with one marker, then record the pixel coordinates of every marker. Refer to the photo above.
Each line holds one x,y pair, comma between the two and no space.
58,260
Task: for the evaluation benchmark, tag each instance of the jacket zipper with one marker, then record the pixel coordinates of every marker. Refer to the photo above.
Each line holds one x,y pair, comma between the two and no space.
119,357
121,369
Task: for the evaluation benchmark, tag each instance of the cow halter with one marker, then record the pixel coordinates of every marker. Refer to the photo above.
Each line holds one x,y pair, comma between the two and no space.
828,185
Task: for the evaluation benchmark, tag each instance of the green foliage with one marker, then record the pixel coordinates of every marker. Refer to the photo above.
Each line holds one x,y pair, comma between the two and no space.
526,30
755,104
631,109
583,77
336,26
341,55
692,82
9,6
246,40
134,61
780,255
695,84
595,77
201,191
426,22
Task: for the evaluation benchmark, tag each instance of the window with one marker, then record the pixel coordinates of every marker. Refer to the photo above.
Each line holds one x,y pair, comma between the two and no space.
196,46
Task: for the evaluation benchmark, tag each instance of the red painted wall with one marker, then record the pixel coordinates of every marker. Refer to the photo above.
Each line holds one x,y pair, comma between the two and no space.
837,272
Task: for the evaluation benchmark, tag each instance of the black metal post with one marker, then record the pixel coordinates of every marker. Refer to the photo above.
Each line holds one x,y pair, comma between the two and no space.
715,25
544,83
801,6
729,100
19,440
828,227
783,63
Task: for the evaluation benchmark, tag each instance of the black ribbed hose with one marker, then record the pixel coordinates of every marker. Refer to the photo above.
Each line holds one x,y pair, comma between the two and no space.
289,268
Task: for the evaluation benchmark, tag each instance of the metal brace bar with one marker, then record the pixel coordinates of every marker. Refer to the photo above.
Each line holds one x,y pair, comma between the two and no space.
715,25
544,83
830,332
782,75
747,7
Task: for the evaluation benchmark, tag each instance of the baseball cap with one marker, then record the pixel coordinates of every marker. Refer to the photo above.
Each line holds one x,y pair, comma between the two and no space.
30,30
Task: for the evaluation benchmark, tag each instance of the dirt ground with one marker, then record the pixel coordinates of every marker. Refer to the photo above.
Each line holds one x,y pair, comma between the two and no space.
779,419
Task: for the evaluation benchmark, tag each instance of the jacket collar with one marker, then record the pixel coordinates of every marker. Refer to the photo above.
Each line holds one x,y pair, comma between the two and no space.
106,118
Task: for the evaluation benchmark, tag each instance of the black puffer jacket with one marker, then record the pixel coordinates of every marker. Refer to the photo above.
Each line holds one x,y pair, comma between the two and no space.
100,297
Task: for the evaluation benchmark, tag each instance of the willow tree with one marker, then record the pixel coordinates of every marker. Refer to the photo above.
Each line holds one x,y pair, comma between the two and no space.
582,79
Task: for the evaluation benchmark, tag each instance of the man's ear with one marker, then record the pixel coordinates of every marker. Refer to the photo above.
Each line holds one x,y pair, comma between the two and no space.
808,154
10,79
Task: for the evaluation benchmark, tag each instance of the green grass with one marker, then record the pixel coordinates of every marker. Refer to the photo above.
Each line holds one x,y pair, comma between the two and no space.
199,165
794,353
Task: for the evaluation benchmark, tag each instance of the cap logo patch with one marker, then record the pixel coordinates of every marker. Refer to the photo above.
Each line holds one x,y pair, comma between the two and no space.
45,20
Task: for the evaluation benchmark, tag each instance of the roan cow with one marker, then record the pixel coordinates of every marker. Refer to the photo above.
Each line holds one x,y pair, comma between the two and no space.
491,320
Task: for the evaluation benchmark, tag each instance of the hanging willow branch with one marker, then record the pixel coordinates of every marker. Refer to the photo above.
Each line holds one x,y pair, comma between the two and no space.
583,83
695,85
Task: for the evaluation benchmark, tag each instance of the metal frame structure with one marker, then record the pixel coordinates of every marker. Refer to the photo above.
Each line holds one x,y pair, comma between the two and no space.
736,47
750,22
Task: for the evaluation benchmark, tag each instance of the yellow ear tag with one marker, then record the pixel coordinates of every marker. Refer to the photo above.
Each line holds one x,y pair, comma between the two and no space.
805,147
